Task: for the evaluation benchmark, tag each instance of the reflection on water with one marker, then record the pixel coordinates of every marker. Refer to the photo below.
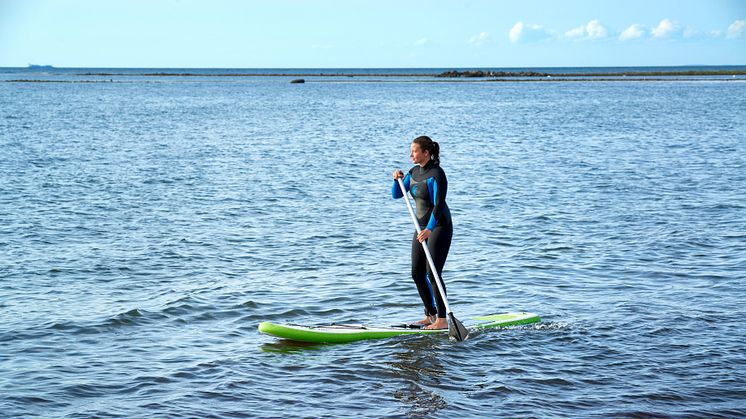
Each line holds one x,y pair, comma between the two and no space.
421,402
416,362
284,346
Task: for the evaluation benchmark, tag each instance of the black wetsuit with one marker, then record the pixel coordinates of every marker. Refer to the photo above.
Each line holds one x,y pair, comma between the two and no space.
428,186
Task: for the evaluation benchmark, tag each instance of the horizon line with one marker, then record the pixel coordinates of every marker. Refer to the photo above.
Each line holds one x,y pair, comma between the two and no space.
373,68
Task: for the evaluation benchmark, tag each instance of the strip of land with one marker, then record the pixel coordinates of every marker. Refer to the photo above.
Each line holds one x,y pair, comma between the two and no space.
57,81
478,76
447,74
502,74
436,80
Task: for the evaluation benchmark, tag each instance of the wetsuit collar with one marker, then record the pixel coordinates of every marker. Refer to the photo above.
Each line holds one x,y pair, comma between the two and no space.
427,166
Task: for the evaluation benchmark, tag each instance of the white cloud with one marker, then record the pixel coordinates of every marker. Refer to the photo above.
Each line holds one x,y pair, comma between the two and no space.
526,32
515,32
716,33
576,33
736,29
664,28
690,32
591,30
595,30
632,32
420,42
479,39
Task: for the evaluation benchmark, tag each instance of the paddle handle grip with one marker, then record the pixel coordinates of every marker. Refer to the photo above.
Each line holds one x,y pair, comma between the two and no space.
424,246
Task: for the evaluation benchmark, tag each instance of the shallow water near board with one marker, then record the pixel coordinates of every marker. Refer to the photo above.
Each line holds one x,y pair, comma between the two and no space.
149,226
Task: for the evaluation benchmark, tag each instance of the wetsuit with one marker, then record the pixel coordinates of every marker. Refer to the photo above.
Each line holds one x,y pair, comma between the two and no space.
428,186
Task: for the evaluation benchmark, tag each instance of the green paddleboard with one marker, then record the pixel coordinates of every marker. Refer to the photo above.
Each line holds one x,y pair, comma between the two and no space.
343,333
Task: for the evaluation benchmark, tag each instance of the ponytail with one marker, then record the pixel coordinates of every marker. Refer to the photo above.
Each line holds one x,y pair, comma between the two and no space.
426,143
435,153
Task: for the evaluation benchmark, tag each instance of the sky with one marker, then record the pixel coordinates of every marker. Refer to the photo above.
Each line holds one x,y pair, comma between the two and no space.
371,34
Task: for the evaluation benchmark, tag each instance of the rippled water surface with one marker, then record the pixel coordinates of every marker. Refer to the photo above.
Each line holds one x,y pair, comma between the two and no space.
148,225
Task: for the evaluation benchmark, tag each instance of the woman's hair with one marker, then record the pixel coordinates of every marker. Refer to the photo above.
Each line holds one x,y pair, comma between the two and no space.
426,143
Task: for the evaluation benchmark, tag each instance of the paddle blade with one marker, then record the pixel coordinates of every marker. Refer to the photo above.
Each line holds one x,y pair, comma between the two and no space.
456,329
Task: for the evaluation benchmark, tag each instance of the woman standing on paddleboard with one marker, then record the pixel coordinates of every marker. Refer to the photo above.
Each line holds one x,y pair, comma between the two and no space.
427,184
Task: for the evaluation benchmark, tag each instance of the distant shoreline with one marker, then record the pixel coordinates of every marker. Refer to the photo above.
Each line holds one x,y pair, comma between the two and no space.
541,80
413,76
447,74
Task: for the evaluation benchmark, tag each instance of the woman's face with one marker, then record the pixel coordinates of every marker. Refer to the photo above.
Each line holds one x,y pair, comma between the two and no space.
418,155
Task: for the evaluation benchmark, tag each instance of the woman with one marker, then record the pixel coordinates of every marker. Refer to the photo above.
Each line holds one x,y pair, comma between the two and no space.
427,183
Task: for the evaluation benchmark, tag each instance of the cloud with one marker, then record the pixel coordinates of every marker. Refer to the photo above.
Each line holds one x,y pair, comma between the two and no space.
479,39
591,30
664,28
515,32
576,33
690,32
595,30
525,32
632,32
420,42
736,29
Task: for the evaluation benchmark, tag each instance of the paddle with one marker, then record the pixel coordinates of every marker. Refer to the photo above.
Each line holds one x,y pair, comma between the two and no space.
456,329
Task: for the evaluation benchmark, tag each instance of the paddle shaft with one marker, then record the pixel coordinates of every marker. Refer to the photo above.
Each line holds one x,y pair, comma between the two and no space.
424,246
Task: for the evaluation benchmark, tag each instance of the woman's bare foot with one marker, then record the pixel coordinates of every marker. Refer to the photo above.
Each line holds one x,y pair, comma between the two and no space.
426,321
439,323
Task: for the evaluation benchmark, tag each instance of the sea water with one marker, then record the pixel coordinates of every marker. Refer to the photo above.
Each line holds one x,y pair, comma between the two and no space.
148,224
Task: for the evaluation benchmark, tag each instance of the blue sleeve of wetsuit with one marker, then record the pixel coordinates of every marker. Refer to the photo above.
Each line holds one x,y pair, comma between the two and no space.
396,190
438,186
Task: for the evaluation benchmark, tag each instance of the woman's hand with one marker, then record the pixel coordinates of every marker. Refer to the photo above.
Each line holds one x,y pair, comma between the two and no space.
424,235
398,174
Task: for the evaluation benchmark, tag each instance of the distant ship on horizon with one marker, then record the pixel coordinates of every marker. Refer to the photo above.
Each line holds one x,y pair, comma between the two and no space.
39,67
